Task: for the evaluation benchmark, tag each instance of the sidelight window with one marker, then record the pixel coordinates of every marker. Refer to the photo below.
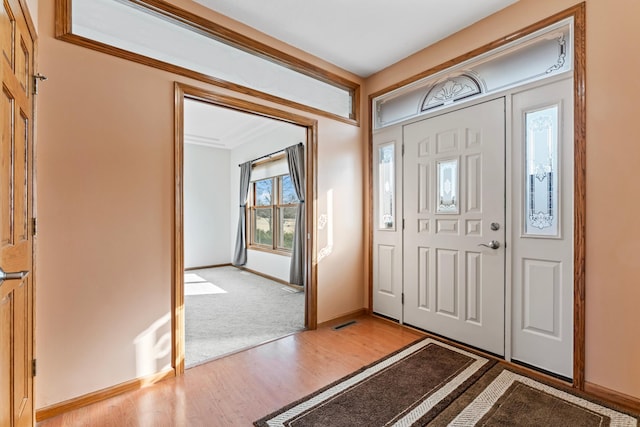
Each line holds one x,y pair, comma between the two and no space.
386,186
541,181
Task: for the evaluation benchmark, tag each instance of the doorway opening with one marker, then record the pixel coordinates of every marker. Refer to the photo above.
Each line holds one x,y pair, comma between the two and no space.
224,303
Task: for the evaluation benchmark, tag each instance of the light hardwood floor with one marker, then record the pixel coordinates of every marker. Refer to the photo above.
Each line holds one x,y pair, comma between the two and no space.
241,388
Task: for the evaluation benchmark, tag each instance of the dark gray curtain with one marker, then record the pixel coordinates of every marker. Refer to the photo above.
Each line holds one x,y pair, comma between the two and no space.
295,160
240,254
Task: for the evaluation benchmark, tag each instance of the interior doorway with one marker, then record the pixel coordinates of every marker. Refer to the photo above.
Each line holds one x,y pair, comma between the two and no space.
260,133
229,308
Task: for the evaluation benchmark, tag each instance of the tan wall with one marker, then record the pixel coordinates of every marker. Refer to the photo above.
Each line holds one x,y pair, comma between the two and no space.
105,203
32,5
105,170
613,154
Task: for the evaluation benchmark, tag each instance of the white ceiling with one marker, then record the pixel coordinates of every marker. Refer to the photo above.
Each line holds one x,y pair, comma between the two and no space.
218,127
361,36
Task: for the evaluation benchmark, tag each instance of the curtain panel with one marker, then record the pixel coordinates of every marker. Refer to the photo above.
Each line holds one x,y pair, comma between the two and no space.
240,254
295,160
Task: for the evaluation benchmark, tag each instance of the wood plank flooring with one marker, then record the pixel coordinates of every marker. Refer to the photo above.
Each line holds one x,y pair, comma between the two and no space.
241,388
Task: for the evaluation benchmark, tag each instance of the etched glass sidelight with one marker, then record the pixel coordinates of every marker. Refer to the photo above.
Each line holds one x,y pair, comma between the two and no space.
541,180
386,186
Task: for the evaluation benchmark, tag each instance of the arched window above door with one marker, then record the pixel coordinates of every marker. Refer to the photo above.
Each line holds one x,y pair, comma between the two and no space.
539,55
450,90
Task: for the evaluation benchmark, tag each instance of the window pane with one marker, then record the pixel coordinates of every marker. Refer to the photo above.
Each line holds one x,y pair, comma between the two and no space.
287,227
542,172
448,186
386,186
263,227
264,192
288,194
136,29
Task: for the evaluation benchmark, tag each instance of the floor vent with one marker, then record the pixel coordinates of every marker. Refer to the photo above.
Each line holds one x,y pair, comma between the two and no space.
344,325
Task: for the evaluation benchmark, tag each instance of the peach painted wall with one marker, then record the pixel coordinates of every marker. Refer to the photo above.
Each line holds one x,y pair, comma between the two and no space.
613,154
105,203
32,5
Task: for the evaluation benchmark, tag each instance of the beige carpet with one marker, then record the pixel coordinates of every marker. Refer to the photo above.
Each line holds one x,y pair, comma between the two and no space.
227,309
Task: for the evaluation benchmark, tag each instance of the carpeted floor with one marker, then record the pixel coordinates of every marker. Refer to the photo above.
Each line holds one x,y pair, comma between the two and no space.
227,309
430,383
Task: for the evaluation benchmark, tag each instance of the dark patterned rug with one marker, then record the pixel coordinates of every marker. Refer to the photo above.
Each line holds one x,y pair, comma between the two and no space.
435,384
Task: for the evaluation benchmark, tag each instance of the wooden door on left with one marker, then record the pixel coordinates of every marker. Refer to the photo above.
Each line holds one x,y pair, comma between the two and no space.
16,200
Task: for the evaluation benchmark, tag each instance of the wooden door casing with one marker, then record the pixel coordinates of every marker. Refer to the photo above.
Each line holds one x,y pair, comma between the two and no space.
16,203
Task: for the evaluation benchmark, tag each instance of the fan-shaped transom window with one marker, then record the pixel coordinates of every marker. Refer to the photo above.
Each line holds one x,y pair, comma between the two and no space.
450,90
539,55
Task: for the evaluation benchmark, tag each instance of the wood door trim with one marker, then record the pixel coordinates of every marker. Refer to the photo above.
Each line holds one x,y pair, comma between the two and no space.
579,193
578,12
311,149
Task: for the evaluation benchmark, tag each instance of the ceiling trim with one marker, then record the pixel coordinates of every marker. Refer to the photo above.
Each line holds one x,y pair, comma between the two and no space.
207,141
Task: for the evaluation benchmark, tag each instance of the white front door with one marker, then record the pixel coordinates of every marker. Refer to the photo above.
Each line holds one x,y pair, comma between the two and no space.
454,212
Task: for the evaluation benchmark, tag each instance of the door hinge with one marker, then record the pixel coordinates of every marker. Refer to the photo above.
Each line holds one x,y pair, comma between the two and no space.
402,298
403,149
34,224
403,223
33,367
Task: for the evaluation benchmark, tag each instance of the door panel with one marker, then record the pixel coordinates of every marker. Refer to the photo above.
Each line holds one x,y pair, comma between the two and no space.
386,260
541,296
454,184
447,282
474,287
387,234
16,197
542,232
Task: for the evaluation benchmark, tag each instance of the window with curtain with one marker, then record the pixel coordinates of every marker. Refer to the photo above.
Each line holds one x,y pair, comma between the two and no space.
272,211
